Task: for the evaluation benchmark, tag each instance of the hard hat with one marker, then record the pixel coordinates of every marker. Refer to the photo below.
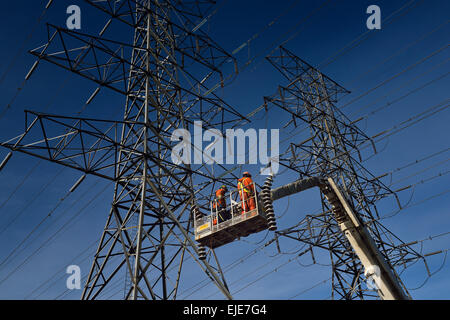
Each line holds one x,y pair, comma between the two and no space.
246,174
224,187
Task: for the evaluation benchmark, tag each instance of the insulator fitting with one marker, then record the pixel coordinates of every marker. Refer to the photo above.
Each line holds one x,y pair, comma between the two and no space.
268,203
201,252
201,248
196,212
336,206
33,67
5,161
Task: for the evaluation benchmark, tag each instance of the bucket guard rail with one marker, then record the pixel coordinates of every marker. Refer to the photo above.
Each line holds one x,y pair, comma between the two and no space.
224,225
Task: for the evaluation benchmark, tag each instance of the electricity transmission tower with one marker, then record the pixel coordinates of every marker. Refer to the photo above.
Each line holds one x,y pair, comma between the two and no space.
168,75
332,149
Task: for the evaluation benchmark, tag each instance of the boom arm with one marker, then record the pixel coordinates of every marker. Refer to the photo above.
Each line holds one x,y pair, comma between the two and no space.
388,286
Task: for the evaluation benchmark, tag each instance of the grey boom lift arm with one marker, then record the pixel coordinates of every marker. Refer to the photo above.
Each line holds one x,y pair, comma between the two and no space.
388,286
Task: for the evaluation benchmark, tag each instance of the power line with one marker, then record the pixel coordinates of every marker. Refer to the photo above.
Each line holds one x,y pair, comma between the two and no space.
445,251
16,252
265,28
273,46
62,270
227,268
415,90
395,212
410,67
24,43
311,288
29,203
430,111
439,107
424,158
378,109
396,53
20,185
276,43
16,249
421,171
357,41
51,238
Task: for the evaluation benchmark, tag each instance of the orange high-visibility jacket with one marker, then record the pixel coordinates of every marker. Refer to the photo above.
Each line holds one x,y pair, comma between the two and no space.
220,197
246,184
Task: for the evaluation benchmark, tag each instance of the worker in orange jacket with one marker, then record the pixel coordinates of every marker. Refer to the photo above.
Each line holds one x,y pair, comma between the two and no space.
220,204
246,190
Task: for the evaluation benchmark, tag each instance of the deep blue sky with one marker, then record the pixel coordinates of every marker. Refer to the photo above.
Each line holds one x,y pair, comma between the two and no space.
413,34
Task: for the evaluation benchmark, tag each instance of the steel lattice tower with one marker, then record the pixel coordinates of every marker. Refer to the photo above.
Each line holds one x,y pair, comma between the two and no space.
332,148
169,83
